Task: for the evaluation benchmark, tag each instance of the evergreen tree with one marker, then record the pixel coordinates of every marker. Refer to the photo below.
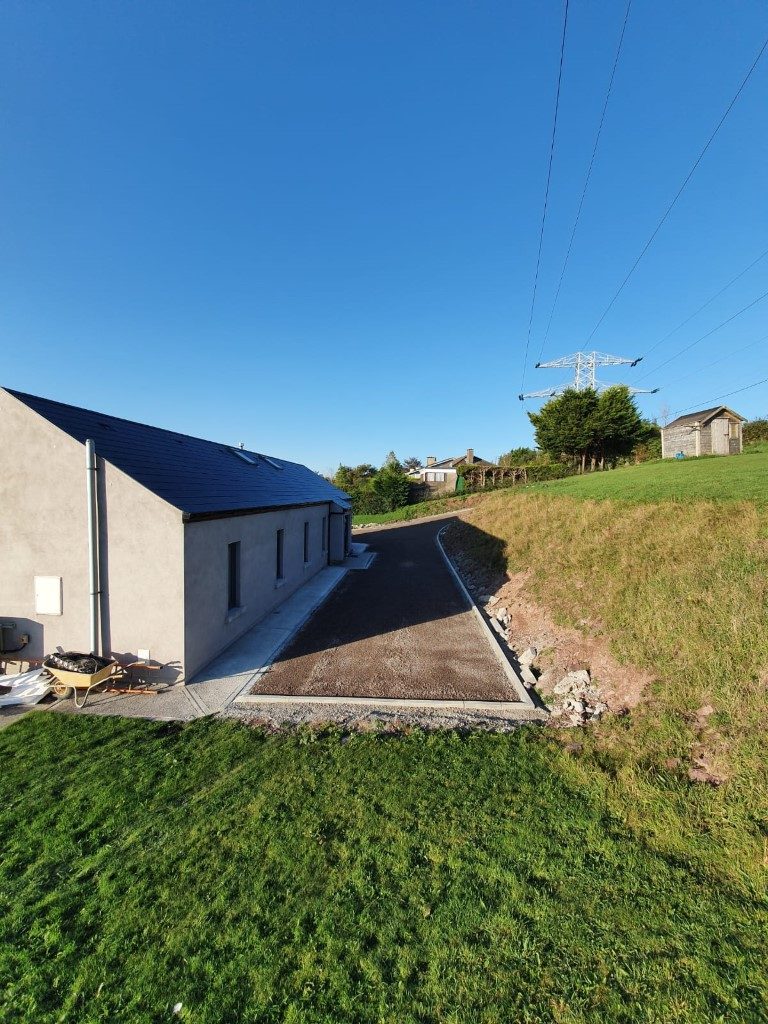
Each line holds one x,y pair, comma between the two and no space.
617,423
566,425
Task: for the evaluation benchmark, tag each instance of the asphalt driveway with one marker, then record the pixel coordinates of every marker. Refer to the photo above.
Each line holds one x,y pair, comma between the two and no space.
400,629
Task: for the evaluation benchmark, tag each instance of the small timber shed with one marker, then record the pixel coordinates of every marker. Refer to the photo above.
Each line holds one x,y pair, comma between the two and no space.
715,431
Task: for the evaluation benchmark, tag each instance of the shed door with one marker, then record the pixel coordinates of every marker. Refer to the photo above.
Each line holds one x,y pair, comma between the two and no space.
720,431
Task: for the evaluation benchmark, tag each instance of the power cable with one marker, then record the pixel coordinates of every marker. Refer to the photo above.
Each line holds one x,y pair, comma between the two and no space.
680,191
546,194
705,336
586,180
707,303
719,398
714,362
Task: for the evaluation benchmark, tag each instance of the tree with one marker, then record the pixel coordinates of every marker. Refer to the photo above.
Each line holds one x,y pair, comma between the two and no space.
617,425
756,430
518,457
348,478
392,462
412,464
565,425
392,486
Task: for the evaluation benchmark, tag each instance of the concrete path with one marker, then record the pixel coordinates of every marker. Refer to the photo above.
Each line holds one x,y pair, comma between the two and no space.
402,631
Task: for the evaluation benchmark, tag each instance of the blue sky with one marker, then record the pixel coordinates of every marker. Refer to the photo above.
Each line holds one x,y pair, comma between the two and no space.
312,227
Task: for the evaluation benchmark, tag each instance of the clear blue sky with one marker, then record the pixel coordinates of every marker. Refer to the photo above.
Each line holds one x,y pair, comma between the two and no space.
312,227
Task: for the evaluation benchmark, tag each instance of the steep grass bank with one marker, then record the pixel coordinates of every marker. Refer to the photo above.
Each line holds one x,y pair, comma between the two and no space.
679,589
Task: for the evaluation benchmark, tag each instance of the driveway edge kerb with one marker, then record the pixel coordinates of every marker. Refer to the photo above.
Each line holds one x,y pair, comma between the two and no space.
523,695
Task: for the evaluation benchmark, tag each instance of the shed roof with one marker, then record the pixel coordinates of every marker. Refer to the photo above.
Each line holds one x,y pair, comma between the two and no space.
201,478
703,416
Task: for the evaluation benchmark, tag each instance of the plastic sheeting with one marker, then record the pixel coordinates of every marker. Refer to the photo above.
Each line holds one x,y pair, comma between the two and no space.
26,688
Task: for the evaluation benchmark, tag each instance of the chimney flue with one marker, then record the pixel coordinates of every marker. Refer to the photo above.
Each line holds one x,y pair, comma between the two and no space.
470,456
431,460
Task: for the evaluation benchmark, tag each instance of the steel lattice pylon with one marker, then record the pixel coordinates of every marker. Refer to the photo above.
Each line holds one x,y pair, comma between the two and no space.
584,365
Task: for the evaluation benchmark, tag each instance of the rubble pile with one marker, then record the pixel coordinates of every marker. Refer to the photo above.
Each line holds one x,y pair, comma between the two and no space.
577,700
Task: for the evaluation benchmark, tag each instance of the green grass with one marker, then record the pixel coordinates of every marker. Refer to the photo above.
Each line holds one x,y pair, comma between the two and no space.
406,880
733,478
433,507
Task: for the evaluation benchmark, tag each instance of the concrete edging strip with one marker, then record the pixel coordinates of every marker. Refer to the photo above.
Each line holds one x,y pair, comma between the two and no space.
524,697
513,708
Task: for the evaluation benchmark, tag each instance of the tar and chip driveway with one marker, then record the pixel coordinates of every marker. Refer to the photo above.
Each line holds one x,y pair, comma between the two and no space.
400,629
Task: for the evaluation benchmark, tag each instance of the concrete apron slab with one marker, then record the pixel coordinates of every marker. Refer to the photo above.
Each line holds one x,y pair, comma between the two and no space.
523,708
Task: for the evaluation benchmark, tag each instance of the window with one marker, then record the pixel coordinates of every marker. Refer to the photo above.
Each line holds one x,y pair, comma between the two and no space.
306,543
733,429
325,533
279,568
233,575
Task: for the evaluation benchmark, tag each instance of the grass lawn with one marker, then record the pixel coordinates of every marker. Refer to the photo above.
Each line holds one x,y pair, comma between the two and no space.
301,879
736,477
434,507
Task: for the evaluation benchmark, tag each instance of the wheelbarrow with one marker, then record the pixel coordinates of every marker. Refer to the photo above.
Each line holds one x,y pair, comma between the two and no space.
71,675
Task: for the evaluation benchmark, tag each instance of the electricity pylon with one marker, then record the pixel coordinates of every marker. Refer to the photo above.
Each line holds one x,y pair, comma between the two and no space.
584,374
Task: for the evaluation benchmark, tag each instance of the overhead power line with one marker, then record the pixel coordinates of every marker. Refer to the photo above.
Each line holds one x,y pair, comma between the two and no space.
586,180
719,398
707,335
728,356
707,303
546,193
680,191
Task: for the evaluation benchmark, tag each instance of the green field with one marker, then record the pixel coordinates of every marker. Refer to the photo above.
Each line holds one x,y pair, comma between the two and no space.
733,478
574,877
434,507
407,879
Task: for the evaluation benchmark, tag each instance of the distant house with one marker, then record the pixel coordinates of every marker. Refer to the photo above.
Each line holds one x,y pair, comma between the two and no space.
195,541
716,431
442,475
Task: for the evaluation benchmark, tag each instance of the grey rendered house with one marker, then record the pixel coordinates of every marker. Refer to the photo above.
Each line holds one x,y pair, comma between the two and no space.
716,431
194,541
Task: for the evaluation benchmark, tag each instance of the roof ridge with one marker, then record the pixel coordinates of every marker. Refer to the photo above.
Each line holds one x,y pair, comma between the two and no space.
136,423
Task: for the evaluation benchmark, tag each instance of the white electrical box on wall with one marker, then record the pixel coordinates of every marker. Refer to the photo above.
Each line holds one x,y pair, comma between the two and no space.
48,595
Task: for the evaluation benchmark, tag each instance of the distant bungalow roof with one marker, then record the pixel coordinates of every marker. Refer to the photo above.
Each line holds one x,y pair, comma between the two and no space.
459,460
703,416
201,478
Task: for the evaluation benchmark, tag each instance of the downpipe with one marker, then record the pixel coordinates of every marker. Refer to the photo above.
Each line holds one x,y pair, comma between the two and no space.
93,544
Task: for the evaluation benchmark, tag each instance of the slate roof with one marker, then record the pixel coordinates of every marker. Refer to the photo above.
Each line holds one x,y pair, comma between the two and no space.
201,478
457,461
703,417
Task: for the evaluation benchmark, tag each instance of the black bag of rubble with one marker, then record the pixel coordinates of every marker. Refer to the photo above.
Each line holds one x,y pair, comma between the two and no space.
73,661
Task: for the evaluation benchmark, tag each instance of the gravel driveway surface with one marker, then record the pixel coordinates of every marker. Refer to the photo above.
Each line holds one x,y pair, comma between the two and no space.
399,629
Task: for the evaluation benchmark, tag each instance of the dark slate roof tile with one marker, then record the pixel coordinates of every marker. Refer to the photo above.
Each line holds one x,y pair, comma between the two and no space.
197,476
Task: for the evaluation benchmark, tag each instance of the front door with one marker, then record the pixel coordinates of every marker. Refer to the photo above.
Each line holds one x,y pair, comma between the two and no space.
720,431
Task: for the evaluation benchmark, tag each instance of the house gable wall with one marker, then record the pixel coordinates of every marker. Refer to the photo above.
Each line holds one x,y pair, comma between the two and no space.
44,532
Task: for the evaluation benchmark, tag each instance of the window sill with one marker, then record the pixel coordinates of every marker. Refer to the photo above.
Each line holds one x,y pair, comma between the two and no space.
235,613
